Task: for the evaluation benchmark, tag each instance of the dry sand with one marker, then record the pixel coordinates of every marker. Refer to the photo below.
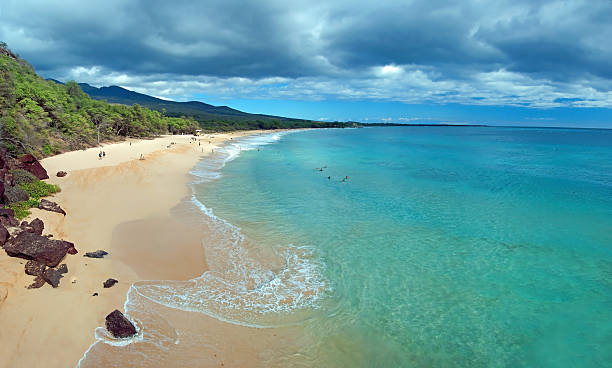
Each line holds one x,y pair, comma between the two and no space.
120,204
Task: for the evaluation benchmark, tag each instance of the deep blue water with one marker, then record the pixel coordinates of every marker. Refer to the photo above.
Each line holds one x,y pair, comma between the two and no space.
446,247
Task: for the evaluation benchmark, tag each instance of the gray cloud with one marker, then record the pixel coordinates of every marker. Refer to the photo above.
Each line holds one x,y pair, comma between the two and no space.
519,52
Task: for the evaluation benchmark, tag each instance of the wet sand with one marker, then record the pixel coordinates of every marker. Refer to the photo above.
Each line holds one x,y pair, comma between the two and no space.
164,249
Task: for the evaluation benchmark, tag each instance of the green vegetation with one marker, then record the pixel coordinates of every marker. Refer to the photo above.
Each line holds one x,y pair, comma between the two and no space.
38,189
35,189
45,118
22,209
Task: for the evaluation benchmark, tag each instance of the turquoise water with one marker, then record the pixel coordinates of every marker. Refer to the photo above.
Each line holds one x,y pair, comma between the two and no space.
446,247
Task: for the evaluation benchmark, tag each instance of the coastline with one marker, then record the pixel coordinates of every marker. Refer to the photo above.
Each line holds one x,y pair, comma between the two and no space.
117,197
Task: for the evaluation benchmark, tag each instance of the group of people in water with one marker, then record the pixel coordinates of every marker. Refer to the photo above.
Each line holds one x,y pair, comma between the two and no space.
346,178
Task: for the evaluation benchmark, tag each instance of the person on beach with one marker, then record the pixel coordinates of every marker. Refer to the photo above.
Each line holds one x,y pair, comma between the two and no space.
103,153
100,155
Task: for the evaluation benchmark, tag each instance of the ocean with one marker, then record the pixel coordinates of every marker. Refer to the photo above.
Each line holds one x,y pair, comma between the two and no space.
390,247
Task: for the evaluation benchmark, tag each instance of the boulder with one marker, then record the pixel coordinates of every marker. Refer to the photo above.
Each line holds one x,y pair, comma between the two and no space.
29,163
34,268
119,326
50,206
7,217
4,235
109,283
71,249
38,283
36,226
97,254
61,174
14,195
7,212
63,268
52,276
37,247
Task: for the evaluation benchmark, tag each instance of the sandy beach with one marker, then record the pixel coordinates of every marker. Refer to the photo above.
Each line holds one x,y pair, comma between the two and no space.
120,204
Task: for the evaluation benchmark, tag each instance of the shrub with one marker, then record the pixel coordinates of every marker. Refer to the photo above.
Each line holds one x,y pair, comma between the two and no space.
38,188
22,209
47,150
23,177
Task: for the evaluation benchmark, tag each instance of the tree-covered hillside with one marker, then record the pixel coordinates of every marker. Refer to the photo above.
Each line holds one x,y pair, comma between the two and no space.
44,118
211,118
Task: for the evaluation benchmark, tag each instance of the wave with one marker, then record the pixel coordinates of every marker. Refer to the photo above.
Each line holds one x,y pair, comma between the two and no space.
209,169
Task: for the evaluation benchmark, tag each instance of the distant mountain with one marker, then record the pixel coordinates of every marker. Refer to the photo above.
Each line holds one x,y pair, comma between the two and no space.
200,111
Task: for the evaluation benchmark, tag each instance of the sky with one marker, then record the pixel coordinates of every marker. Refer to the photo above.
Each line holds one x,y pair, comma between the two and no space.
514,62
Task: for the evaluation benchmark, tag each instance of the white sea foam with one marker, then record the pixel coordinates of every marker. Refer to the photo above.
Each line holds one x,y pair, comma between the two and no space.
209,169
238,288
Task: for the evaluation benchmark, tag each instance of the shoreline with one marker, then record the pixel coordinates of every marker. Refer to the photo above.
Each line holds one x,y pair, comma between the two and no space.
118,197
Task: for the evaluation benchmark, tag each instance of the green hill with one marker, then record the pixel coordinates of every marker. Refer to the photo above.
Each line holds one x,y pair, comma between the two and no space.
44,118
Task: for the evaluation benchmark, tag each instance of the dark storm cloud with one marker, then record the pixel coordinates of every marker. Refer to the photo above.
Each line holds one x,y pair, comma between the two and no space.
505,52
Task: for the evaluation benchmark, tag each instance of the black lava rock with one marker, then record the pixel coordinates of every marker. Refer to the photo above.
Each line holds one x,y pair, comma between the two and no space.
109,283
96,254
119,326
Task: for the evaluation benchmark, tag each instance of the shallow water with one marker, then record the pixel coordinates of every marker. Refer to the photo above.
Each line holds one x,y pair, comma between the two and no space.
445,247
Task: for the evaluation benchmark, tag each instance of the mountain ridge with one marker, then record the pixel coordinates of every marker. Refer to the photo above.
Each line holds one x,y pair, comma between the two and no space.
199,110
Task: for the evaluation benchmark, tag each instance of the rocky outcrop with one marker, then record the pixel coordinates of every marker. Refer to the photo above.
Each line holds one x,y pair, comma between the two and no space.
4,235
1,190
39,248
61,174
119,326
7,212
50,206
109,283
15,194
36,226
72,249
34,268
97,254
7,217
52,276
38,283
63,268
29,163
